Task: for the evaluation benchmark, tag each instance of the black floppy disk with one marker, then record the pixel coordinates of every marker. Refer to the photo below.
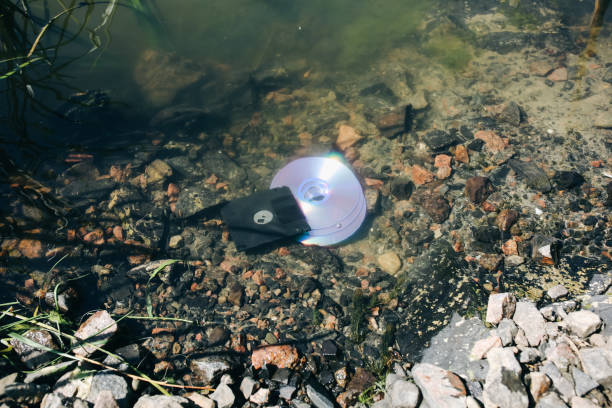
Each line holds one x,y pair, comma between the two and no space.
264,217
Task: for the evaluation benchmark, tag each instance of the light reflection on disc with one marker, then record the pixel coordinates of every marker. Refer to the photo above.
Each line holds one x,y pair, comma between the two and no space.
329,195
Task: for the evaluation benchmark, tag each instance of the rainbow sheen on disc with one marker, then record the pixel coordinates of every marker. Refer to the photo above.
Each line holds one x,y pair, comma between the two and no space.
328,194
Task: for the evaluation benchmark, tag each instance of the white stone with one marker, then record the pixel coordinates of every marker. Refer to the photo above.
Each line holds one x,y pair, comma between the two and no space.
482,347
223,396
578,402
247,386
529,318
501,305
503,385
403,394
440,388
557,291
161,401
200,400
261,396
583,322
597,363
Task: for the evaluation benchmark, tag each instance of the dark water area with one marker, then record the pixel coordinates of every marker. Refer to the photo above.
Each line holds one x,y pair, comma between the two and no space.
479,130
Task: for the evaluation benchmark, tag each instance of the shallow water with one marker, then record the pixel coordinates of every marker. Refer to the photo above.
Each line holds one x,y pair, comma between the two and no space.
218,96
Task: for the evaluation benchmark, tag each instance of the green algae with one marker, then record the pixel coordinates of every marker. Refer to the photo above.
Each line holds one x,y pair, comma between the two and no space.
450,51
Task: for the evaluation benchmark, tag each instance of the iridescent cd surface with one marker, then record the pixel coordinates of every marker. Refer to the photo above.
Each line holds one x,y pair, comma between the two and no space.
329,195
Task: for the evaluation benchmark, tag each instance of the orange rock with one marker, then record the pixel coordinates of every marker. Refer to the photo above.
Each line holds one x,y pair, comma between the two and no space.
118,232
281,356
137,259
258,277
559,74
493,142
374,182
173,190
95,237
461,154
509,247
212,180
442,160
421,176
489,207
347,136
506,219
443,172
30,248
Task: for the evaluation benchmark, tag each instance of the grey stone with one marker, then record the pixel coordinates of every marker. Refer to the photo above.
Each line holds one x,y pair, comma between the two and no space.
529,318
105,400
105,381
287,392
192,200
403,394
52,400
552,330
451,347
562,384
597,363
551,400
533,176
506,330
500,306
503,386
583,322
282,375
529,355
511,113
561,355
603,308
317,398
599,283
161,401
34,356
583,382
223,396
209,369
514,260
247,386
548,312
391,378
440,388
557,291
520,339
97,329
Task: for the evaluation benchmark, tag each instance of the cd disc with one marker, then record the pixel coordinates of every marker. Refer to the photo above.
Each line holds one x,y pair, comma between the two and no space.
328,194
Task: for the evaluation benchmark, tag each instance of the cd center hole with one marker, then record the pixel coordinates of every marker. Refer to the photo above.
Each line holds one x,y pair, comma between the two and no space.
315,193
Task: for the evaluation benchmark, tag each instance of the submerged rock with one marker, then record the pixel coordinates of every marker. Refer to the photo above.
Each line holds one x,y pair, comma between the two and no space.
162,75
532,174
